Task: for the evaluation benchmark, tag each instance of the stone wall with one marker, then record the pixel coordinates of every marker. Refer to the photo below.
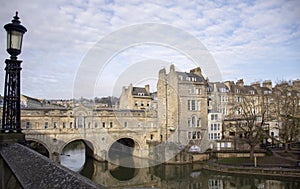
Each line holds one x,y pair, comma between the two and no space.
33,170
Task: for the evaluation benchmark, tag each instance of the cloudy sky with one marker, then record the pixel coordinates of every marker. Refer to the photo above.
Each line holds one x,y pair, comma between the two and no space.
255,40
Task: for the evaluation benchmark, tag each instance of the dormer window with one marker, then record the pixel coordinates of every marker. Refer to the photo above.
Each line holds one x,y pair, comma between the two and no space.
252,92
141,94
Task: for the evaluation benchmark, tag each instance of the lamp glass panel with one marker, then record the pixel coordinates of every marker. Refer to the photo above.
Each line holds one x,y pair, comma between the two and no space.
14,40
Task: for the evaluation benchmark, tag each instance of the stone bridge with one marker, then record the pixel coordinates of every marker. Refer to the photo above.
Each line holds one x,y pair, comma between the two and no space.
98,142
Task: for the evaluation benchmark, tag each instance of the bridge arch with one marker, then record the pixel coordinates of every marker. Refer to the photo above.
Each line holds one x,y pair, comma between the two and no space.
38,146
122,146
89,146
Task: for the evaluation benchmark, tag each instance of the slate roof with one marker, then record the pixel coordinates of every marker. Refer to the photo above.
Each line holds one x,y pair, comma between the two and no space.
185,74
137,90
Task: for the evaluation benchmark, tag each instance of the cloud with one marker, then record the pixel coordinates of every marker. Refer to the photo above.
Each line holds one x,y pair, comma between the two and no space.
238,34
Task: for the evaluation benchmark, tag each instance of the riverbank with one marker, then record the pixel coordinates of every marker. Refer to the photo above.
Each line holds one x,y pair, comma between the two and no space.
280,163
272,171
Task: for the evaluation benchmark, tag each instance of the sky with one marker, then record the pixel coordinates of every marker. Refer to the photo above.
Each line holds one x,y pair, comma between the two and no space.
254,40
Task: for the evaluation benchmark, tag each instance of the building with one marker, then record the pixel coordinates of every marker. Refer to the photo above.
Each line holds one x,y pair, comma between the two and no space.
135,98
186,110
182,106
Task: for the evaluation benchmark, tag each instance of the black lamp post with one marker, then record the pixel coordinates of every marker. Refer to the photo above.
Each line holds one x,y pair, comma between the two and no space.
11,121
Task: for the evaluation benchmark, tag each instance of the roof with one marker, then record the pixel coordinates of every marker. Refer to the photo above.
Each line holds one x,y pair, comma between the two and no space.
220,86
250,89
139,90
191,75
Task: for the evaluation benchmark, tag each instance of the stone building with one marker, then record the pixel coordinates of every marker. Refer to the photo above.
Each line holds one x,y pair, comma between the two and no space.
235,101
135,98
185,110
182,106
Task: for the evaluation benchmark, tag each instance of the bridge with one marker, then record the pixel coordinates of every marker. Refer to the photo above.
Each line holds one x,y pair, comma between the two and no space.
53,129
98,142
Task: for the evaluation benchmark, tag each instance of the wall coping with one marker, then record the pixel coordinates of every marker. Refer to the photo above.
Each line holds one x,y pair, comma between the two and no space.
34,170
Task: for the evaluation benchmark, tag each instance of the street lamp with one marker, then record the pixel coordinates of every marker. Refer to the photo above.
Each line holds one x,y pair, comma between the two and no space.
11,121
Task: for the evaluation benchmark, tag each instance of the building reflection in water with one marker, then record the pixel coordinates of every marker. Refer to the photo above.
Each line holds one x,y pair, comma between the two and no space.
170,176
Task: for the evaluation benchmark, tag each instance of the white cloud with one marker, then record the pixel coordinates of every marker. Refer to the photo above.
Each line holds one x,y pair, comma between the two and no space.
238,34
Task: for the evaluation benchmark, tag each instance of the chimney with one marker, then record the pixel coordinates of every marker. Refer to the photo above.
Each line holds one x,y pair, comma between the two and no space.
229,84
196,71
296,84
240,83
256,85
130,88
172,68
267,84
147,87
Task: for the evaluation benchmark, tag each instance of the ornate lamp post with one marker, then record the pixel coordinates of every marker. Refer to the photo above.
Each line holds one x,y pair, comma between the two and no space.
11,121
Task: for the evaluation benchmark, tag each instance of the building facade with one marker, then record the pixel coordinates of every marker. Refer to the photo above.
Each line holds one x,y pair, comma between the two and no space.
186,110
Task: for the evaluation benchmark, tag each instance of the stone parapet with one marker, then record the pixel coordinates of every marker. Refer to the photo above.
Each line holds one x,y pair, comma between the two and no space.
33,170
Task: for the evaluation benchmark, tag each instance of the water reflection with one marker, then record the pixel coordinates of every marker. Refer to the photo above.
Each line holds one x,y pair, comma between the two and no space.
73,156
172,176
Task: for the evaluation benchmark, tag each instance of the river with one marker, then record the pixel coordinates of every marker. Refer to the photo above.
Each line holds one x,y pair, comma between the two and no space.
165,176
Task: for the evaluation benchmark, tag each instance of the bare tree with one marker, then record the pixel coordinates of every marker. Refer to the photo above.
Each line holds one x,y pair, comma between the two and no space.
247,120
286,106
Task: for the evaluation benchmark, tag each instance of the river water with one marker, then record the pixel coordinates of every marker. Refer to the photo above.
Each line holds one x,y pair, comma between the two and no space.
165,176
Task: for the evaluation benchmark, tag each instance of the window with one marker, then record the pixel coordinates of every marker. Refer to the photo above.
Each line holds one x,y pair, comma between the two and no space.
193,121
193,105
89,125
136,103
199,122
214,116
111,124
212,127
71,124
198,135
194,135
80,121
27,125
96,125
125,124
148,104
151,136
64,125
194,90
46,125
142,103
54,125
103,124
189,123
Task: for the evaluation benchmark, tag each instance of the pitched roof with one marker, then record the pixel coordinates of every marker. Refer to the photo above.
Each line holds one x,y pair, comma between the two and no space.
185,74
139,90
